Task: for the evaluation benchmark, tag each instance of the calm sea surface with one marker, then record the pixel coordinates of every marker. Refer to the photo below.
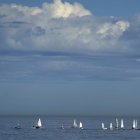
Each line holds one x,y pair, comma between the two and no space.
51,129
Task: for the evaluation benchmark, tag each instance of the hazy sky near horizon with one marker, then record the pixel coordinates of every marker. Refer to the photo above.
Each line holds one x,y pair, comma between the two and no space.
70,57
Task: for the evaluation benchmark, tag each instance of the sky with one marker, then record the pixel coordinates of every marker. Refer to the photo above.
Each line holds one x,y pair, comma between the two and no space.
70,57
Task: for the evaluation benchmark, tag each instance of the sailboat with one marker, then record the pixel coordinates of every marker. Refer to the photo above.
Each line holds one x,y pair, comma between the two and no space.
122,124
75,124
39,124
81,125
111,126
62,127
134,124
117,124
103,126
18,126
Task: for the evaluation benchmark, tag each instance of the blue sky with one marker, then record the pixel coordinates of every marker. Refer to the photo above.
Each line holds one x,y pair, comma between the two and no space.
72,57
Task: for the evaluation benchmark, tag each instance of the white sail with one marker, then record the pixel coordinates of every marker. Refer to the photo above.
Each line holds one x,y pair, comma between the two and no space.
134,124
75,124
122,124
81,125
111,126
117,123
39,124
103,126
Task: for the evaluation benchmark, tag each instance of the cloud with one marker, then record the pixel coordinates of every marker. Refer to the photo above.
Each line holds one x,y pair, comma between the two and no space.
41,25
111,30
59,9
64,38
59,26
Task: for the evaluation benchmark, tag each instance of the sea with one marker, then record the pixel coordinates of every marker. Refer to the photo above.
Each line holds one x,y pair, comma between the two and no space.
52,128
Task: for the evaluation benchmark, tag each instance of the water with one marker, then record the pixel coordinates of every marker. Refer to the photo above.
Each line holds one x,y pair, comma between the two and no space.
52,131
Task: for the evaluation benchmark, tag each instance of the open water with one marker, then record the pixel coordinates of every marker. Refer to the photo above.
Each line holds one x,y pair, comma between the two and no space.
51,128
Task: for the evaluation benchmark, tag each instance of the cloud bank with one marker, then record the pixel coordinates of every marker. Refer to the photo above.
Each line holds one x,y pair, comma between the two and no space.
59,26
71,39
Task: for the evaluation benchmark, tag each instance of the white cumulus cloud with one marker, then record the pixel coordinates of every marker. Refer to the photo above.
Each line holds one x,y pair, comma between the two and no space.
64,26
113,29
59,9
